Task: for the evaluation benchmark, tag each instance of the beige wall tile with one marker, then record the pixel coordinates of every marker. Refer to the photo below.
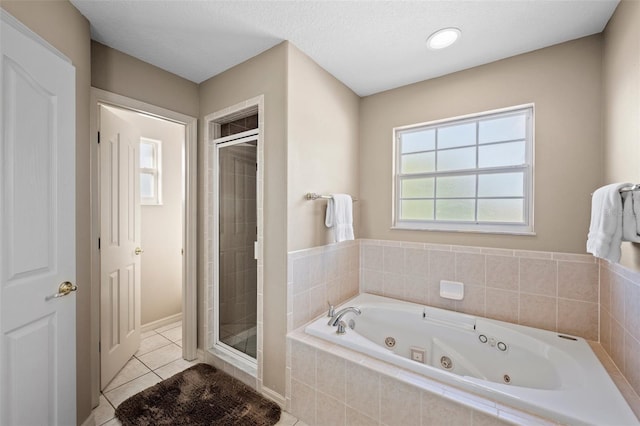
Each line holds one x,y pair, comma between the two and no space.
632,361
502,305
605,330
373,281
538,311
617,297
438,411
470,268
632,309
416,289
578,318
331,375
502,272
300,275
578,281
303,402
372,257
437,301
393,259
538,276
473,302
300,309
416,262
303,363
317,300
605,288
363,390
329,411
356,418
442,266
482,419
617,344
400,403
393,284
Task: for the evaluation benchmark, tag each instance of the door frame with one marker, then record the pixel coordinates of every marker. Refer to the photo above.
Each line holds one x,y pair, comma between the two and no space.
189,259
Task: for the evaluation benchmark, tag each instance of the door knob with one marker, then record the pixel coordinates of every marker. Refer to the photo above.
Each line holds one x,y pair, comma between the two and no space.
64,289
138,251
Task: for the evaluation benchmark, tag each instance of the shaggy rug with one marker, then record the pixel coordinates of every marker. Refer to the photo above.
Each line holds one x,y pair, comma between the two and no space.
201,395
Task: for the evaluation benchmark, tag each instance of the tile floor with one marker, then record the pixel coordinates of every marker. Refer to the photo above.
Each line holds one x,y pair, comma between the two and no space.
159,357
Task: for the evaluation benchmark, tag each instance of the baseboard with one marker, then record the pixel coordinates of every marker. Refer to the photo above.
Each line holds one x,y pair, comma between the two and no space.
159,323
91,421
274,396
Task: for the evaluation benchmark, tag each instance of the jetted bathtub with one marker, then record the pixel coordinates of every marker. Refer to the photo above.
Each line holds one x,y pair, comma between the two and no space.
550,374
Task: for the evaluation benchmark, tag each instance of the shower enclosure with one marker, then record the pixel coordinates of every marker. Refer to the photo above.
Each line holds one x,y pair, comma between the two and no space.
236,150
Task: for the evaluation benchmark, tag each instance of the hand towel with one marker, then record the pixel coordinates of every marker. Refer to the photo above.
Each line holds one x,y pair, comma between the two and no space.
605,230
631,216
340,217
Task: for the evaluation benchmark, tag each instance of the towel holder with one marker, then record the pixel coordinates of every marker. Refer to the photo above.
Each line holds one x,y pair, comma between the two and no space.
635,187
313,196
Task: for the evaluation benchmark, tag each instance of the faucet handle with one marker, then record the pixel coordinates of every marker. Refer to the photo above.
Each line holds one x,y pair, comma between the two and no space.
332,310
342,326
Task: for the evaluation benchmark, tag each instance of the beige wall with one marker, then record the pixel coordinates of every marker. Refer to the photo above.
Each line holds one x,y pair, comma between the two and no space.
125,75
621,112
564,82
65,28
322,151
161,239
264,74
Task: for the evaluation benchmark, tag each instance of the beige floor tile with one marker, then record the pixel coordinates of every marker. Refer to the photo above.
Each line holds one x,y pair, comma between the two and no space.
152,343
161,356
131,370
104,412
119,394
168,326
286,419
174,367
173,334
178,342
113,422
147,334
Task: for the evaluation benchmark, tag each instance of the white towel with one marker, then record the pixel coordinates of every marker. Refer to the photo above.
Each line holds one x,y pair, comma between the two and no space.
605,231
340,217
631,216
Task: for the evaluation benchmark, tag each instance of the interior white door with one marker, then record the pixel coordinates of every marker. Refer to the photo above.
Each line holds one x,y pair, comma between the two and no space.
37,231
119,243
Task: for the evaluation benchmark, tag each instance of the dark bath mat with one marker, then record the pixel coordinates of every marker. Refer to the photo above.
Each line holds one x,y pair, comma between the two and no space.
198,396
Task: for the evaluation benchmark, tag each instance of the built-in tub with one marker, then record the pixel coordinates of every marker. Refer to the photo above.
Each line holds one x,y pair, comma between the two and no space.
553,375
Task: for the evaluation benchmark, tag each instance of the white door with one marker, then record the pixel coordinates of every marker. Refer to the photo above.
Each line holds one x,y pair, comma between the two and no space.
119,243
37,231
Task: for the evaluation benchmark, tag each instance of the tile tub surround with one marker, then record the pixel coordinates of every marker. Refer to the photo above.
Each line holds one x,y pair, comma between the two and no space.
620,319
331,385
552,291
319,275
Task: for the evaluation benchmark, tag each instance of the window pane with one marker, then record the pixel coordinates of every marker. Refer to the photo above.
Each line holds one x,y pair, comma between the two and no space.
418,163
503,154
418,141
460,135
147,185
147,157
501,185
457,159
502,129
417,188
501,210
459,210
416,210
456,186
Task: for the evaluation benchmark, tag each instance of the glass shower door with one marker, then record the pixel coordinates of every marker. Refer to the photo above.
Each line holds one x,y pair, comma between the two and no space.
237,275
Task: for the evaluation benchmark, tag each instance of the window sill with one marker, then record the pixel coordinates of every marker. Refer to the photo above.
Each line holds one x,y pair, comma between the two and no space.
415,227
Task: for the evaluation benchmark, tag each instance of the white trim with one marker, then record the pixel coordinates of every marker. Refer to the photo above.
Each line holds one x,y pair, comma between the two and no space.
189,278
9,19
159,323
274,396
211,124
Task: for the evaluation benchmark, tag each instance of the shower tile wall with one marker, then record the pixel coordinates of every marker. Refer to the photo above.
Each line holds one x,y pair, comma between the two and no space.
553,291
620,319
320,275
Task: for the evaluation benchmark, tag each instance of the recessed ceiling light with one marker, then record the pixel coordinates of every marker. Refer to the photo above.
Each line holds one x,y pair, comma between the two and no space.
443,38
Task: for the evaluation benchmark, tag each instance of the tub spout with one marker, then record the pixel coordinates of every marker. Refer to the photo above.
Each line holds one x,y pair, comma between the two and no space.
337,317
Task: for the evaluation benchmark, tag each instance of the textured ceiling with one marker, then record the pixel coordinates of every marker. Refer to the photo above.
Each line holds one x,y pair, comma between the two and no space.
370,46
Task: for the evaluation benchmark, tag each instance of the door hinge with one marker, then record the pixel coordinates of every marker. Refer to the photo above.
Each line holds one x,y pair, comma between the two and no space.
99,346
98,137
98,243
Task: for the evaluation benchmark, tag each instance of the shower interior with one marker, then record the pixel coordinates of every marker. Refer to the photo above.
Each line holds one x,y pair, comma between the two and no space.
237,274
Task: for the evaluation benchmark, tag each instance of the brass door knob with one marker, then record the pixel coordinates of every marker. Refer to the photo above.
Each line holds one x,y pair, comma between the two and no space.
64,289
138,251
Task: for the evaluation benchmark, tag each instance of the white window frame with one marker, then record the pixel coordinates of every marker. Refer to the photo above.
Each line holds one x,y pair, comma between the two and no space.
156,171
525,228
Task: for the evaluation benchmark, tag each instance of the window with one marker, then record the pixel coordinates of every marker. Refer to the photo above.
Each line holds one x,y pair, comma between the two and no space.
150,160
472,173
